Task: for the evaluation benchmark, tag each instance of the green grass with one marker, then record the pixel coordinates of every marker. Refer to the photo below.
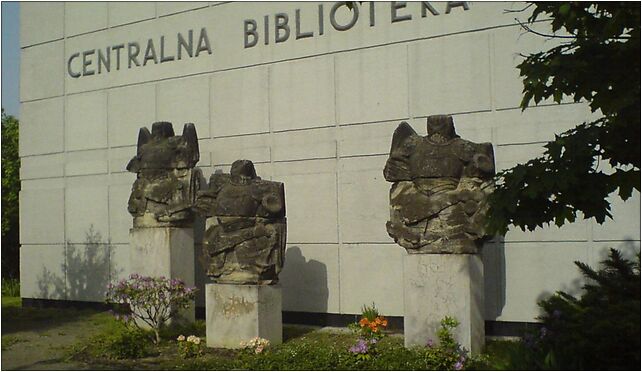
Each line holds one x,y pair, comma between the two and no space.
16,317
8,341
104,343
9,302
501,354
304,348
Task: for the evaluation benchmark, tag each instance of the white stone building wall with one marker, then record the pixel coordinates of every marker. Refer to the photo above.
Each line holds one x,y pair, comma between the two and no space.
316,113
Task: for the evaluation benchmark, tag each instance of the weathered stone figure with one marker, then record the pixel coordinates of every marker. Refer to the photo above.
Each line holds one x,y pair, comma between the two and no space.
166,184
161,202
437,207
437,201
246,226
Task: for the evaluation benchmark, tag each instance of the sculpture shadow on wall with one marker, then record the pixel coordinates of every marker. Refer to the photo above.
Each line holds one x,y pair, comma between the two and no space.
87,267
494,258
86,271
305,283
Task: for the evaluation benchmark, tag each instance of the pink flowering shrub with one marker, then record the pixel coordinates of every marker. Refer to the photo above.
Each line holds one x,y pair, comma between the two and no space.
151,300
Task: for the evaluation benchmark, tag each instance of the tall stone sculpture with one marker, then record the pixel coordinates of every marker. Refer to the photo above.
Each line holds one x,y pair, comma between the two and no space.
437,211
244,245
166,182
162,201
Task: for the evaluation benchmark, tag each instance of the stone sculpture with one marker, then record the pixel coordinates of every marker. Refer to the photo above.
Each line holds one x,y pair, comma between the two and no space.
245,235
165,188
440,183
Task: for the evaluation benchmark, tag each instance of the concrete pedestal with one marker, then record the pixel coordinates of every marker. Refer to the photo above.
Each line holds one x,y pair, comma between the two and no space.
164,251
236,313
436,285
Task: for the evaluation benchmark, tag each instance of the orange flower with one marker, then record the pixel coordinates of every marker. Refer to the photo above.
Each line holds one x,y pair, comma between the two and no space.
378,320
363,322
373,327
384,322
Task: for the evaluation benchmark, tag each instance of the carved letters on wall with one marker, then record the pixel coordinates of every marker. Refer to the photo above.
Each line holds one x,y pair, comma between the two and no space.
440,184
166,184
245,235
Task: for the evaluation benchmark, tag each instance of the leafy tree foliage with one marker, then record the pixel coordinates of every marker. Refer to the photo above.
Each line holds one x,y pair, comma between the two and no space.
10,190
599,330
598,62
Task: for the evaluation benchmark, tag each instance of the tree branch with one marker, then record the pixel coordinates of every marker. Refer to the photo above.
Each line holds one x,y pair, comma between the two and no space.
517,11
528,29
525,27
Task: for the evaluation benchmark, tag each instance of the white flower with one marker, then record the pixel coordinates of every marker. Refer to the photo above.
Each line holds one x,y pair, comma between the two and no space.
181,338
258,344
196,340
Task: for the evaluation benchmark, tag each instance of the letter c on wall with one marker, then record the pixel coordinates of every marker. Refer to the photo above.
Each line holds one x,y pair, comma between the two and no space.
71,73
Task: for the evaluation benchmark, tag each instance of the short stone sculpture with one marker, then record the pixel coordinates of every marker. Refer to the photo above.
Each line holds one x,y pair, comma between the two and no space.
437,201
166,184
246,227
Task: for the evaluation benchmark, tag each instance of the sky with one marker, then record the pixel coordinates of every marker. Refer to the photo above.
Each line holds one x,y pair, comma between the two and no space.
11,58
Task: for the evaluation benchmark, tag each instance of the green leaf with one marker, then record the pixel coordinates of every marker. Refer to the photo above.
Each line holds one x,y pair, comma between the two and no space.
564,9
567,179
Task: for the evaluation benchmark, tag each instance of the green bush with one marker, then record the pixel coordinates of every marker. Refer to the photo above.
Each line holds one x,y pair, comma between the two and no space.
130,343
600,330
117,342
10,191
189,347
172,331
369,329
447,354
329,351
11,287
311,350
308,353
